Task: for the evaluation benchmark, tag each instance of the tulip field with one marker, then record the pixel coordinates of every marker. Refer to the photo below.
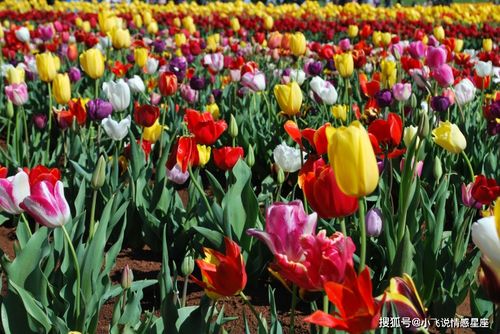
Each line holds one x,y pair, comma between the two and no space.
249,168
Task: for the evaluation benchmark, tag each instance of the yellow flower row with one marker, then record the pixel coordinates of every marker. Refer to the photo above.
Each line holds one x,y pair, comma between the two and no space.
466,13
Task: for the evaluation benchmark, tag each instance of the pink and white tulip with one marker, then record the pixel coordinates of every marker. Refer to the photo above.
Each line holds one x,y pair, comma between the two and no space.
255,81
13,190
17,93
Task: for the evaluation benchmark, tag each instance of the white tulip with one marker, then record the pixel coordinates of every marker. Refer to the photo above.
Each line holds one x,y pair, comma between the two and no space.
288,158
136,84
23,34
483,69
409,133
324,90
485,236
214,62
464,92
116,131
298,76
152,65
118,93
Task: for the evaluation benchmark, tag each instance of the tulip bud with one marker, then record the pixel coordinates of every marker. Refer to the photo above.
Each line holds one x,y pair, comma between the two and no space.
373,222
233,127
437,169
10,109
99,175
281,175
250,156
40,121
187,265
423,126
413,101
127,277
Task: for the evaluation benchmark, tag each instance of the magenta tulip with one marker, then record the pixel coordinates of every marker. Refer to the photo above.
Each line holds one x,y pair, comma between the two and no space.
435,57
17,93
443,74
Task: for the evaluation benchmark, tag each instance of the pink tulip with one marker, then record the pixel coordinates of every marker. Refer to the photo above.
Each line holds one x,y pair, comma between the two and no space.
325,260
46,32
188,94
13,190
397,49
449,93
416,49
47,204
235,75
418,167
401,91
467,198
285,224
345,44
436,57
255,81
17,93
214,61
443,74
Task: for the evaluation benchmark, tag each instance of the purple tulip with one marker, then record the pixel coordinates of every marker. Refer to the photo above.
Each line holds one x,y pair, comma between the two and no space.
197,83
46,32
384,98
47,204
493,128
217,93
188,94
176,175
440,103
495,109
99,109
374,222
74,74
131,57
178,66
286,224
330,64
313,68
159,46
40,121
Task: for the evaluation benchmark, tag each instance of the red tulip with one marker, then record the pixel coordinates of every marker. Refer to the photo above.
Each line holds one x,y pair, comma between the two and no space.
222,275
203,126
146,115
226,157
317,138
369,88
317,181
42,173
146,147
485,190
385,136
119,69
3,172
184,153
167,82
358,311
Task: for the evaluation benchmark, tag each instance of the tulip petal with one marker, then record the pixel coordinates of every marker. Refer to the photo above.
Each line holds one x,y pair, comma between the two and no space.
326,320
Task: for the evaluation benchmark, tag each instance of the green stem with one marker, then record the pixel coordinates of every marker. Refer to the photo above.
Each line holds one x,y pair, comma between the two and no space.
77,270
96,93
26,136
162,125
202,192
184,291
92,215
343,229
471,171
326,309
25,220
47,156
362,227
292,310
252,308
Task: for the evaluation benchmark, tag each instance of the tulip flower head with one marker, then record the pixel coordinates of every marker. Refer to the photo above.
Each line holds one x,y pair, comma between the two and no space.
344,63
118,93
92,62
47,204
288,158
13,191
289,98
17,93
352,158
357,311
222,275
116,130
323,91
203,126
449,137
226,157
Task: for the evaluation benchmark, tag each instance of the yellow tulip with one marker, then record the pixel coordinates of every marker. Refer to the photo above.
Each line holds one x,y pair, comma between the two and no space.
439,33
86,26
152,133
213,108
487,44
298,44
235,24
180,39
212,42
449,137
15,75
177,22
352,31
268,22
47,66
188,24
289,98
92,62
61,88
389,73
147,17
386,38
1,32
141,56
459,44
120,38
203,154
339,111
138,20
153,27
352,158
377,38
344,64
